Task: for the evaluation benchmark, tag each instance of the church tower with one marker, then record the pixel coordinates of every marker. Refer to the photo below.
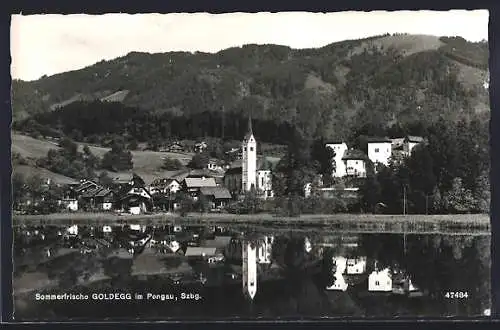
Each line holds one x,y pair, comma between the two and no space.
249,161
249,269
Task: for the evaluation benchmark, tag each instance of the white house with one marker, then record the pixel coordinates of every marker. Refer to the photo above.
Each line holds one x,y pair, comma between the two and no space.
340,283
380,281
405,145
379,150
73,230
264,250
249,160
135,227
249,269
340,167
164,186
265,182
307,245
355,163
70,204
356,266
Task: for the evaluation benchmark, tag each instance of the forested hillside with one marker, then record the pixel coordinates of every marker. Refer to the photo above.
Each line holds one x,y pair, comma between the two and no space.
335,92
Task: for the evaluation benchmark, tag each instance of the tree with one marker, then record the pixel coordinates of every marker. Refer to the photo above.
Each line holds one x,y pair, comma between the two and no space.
118,158
186,203
458,199
370,194
251,202
104,179
323,158
18,189
482,193
34,187
170,164
202,204
199,161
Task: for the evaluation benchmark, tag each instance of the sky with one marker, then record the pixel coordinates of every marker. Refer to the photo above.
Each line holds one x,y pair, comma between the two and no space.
50,44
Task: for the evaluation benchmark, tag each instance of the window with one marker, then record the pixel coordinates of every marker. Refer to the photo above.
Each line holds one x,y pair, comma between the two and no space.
377,283
251,148
244,148
377,149
262,182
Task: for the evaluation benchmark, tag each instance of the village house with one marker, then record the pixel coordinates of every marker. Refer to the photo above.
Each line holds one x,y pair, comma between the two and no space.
215,165
355,163
164,186
340,283
199,147
380,281
339,149
405,145
265,249
98,198
135,200
175,147
379,150
192,185
356,266
232,180
218,197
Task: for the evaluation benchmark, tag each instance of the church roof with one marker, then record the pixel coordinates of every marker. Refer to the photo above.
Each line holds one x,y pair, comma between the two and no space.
250,130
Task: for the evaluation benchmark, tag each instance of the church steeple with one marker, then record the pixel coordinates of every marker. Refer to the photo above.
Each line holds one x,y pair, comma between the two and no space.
250,131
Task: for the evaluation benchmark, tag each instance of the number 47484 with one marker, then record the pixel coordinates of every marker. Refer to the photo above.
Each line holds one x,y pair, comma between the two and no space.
456,295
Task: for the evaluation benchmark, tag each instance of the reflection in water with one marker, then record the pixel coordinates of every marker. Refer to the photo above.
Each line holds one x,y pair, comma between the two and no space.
292,275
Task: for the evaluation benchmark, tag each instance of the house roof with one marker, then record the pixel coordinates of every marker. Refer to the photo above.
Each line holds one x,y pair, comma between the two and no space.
375,139
417,139
218,192
200,173
217,242
200,251
334,142
92,192
163,182
122,177
200,182
103,192
85,185
234,170
354,154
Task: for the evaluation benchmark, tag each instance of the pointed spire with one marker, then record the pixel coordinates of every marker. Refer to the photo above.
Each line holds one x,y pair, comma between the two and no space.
250,131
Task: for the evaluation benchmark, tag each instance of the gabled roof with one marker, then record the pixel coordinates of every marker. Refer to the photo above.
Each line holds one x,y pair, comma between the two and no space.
200,251
234,170
200,182
375,139
103,192
163,182
334,142
200,173
218,192
416,139
354,154
217,242
85,185
92,192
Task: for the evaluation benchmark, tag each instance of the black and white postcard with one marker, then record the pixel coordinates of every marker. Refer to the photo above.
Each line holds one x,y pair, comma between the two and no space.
251,166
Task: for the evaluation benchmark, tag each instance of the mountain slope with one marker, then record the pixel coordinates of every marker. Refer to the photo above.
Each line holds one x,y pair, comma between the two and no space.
328,91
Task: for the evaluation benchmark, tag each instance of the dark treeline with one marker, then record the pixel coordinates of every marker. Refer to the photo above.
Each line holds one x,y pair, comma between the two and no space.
91,121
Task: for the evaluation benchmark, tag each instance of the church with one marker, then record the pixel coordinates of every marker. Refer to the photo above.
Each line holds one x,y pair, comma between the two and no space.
254,172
